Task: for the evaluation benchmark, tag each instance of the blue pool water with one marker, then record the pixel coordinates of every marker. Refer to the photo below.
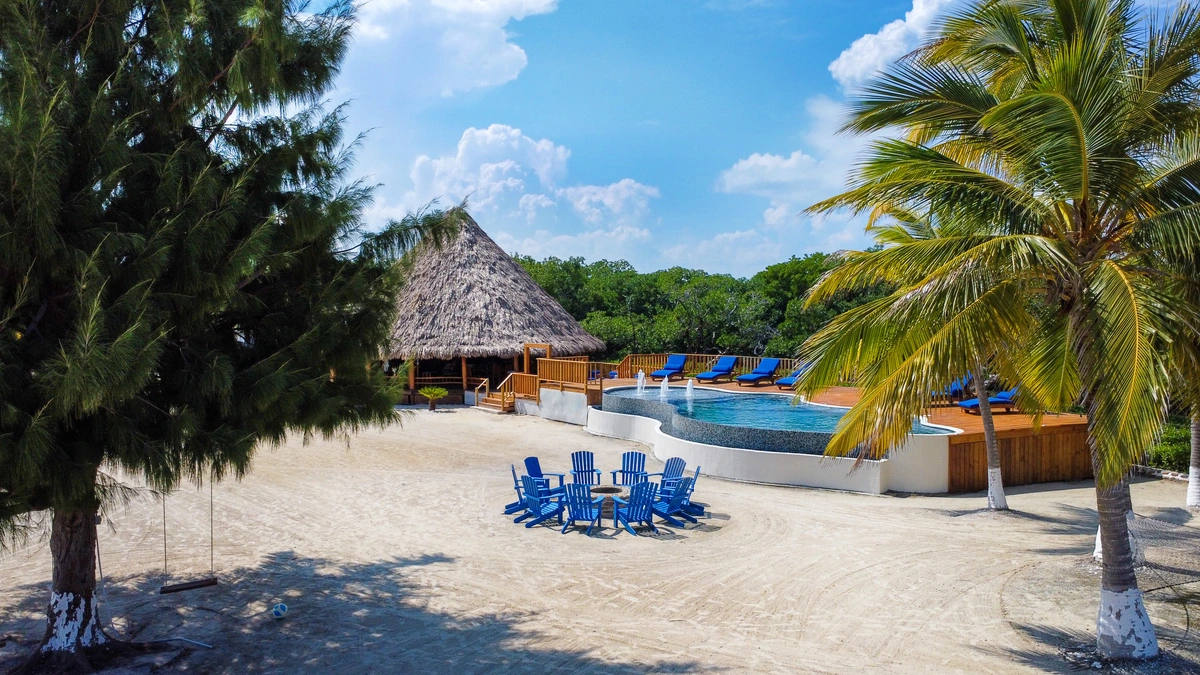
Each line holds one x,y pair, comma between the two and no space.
758,411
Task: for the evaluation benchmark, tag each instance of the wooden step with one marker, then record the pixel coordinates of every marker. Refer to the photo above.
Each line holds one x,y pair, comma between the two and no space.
496,404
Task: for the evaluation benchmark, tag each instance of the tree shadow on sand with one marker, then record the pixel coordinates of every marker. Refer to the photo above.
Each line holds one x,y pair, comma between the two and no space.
344,618
1066,651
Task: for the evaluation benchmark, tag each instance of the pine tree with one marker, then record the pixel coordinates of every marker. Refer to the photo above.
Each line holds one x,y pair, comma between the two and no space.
183,269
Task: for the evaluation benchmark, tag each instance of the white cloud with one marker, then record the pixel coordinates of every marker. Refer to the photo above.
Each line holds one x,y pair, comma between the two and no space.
516,184
626,197
874,51
429,48
617,241
796,181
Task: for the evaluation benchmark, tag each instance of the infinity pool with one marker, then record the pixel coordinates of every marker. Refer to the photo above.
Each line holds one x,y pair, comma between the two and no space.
758,411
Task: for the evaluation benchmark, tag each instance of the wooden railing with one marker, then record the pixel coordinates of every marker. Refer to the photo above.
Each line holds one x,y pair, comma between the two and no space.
454,381
695,363
525,384
572,371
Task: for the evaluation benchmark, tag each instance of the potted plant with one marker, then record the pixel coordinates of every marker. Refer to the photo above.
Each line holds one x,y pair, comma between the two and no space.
433,394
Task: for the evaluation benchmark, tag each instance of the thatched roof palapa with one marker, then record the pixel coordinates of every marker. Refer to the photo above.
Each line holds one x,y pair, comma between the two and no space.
470,298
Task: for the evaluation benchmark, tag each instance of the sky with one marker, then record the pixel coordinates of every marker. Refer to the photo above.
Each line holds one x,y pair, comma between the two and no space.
662,132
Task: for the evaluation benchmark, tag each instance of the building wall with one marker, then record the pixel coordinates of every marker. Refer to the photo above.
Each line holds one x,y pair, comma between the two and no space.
563,406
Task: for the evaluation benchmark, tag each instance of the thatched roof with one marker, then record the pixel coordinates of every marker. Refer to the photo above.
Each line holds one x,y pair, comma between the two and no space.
469,298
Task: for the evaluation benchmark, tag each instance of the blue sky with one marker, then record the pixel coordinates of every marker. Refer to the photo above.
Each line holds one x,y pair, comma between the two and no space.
664,132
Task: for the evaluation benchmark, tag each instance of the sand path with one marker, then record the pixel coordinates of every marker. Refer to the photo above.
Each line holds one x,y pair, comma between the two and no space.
394,557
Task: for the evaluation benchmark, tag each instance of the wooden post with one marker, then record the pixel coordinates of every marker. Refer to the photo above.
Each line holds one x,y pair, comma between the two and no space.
526,359
516,363
464,375
412,375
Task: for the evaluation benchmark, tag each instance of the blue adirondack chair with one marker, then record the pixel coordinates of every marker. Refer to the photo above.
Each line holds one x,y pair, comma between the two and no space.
512,508
672,507
534,468
671,473
639,509
581,505
633,469
540,505
688,506
583,468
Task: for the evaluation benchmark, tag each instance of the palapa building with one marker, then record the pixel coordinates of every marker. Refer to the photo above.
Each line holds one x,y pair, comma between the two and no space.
468,310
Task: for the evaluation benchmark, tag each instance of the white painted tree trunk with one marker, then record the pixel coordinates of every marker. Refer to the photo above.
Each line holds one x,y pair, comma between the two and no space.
996,499
1123,628
72,623
1193,491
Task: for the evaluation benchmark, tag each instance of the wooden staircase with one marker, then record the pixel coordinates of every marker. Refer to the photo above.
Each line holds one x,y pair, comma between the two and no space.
502,401
496,403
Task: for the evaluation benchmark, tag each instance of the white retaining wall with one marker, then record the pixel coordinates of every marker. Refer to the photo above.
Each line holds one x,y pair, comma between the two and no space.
563,406
921,465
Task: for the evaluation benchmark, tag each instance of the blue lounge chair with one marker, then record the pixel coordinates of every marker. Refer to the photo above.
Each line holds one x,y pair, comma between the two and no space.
1004,399
956,389
671,473
688,506
534,468
639,509
582,506
790,381
540,505
673,367
633,469
583,468
722,368
765,371
512,508
669,508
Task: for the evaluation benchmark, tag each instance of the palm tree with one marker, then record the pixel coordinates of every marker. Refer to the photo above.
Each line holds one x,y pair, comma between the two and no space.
893,225
1061,141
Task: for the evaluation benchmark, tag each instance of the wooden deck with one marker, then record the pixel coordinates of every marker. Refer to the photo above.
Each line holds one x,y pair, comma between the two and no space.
1056,452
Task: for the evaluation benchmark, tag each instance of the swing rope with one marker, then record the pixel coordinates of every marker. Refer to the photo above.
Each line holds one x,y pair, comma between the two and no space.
211,580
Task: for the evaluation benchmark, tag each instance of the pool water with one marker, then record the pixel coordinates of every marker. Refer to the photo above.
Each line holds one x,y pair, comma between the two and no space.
758,411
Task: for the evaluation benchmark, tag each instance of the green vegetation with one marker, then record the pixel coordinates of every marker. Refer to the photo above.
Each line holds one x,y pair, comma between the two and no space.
433,395
1173,451
682,310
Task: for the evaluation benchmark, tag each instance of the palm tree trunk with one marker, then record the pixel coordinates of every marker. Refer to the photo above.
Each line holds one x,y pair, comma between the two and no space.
1123,628
1193,492
996,499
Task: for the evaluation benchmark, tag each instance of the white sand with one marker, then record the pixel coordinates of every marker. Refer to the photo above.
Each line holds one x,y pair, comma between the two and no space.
394,556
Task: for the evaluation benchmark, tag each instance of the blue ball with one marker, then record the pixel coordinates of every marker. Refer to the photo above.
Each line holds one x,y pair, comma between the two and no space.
279,610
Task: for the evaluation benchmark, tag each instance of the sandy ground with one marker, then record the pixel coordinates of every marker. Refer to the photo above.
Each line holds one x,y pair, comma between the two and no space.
393,554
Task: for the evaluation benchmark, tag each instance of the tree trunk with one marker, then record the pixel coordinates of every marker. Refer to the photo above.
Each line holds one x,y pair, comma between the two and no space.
996,499
1139,555
1193,492
1123,628
72,622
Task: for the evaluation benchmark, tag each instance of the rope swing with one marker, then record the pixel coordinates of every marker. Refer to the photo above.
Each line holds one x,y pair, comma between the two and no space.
211,579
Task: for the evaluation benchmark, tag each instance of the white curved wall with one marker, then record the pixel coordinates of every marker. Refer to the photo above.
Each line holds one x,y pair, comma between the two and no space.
920,466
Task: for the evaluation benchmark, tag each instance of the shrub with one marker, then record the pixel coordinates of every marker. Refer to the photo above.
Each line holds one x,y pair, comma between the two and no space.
1173,451
433,394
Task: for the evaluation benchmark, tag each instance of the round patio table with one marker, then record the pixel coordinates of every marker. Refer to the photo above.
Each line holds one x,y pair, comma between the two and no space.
608,492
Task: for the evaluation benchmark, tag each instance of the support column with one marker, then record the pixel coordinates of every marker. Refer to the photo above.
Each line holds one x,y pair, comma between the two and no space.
516,363
412,375
464,375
